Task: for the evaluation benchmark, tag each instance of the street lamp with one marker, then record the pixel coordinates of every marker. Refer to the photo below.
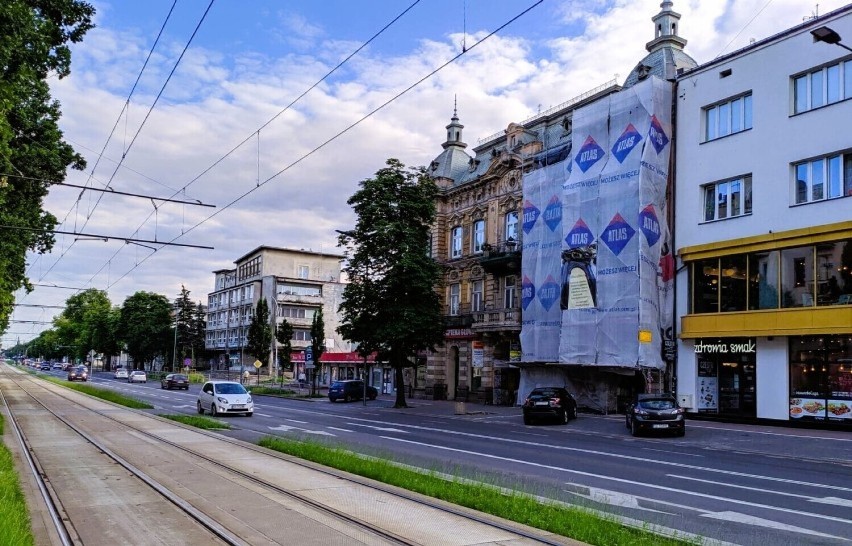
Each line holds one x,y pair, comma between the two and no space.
825,34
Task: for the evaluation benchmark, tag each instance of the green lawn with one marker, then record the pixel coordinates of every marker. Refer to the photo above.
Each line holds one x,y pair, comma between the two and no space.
14,515
198,421
559,518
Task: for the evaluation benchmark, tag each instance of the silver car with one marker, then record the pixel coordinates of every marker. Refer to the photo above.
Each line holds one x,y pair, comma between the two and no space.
137,376
223,397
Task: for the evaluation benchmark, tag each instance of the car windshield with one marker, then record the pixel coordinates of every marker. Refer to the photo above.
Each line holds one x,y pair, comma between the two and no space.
544,392
178,377
230,388
657,404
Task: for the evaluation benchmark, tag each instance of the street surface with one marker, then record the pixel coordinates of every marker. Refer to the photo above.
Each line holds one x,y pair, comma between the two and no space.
741,484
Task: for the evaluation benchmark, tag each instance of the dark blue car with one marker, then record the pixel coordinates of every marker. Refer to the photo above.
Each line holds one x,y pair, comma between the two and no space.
350,389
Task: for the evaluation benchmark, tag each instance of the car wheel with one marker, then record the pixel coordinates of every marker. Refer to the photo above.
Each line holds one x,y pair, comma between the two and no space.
346,398
681,433
564,419
574,413
199,408
162,386
213,410
634,430
249,414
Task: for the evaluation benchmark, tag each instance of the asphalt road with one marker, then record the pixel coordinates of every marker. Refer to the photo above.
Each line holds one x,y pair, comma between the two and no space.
740,484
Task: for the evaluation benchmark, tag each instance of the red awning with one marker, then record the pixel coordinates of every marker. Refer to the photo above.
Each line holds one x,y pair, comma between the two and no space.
331,358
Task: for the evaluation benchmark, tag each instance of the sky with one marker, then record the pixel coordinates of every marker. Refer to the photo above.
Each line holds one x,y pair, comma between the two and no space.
235,108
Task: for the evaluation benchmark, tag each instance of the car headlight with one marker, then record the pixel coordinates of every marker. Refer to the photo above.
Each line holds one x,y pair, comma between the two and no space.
222,400
248,400
642,412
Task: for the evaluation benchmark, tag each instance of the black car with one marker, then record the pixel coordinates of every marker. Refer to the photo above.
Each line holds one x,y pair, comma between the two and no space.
549,403
656,413
350,389
175,381
78,373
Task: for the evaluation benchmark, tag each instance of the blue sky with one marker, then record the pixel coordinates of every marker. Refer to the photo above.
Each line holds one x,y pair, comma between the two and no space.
251,58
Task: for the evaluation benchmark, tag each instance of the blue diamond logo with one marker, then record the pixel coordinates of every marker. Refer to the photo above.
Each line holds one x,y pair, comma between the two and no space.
580,235
527,292
531,214
656,135
617,234
548,293
589,154
553,213
649,225
628,140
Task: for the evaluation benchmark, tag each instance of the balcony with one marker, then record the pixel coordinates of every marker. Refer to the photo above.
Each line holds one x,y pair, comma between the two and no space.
503,258
493,320
458,321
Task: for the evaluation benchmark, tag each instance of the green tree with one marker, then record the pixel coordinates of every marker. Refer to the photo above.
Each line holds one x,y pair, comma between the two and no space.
284,335
198,333
184,317
84,324
259,342
34,38
317,345
390,304
145,327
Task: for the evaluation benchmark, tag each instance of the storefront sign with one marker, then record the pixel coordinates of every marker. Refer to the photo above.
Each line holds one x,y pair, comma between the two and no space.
722,347
478,354
458,333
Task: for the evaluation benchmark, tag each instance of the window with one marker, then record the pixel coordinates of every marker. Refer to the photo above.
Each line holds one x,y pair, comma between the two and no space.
728,117
476,296
455,292
826,85
823,178
727,199
797,277
456,242
478,235
289,311
303,272
509,293
301,334
291,289
512,225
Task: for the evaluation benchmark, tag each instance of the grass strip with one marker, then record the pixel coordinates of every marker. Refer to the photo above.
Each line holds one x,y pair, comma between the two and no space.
14,516
97,392
198,422
555,517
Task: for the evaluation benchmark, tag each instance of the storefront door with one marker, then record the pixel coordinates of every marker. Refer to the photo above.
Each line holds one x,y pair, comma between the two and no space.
727,377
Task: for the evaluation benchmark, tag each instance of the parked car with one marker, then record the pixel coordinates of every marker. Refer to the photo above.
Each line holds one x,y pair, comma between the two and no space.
350,389
655,413
78,373
120,373
554,403
175,381
137,376
223,397
44,366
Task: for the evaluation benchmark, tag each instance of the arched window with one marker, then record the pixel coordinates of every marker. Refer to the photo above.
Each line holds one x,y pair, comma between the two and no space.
456,242
512,225
478,235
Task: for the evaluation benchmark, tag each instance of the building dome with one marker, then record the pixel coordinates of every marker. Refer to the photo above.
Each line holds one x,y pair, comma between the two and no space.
665,52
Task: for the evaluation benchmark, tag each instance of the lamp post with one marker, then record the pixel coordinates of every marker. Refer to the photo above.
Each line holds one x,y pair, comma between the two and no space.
825,34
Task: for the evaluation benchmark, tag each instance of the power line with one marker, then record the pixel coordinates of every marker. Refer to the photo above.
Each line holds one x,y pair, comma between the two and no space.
106,237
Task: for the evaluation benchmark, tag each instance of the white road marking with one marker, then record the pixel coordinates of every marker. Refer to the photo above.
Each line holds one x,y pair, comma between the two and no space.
341,429
296,421
760,522
262,414
615,498
383,429
318,432
825,500
284,428
621,480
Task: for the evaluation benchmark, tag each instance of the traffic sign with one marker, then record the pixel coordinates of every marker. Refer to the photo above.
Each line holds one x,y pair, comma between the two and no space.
309,358
187,362
258,364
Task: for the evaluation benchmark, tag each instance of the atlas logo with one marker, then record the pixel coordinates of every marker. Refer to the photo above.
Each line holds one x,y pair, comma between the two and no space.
531,214
617,234
548,293
626,142
656,135
527,292
580,235
649,225
553,213
589,154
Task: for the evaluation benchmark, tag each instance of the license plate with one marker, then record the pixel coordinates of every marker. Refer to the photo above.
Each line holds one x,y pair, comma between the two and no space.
541,403
238,406
661,426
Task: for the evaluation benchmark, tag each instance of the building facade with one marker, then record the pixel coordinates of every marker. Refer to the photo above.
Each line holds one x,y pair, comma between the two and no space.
764,229
296,284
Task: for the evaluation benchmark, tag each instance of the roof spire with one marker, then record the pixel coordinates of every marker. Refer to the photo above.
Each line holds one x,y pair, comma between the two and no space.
665,29
454,129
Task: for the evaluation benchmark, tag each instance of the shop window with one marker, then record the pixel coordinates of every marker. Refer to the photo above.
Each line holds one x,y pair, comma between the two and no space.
797,277
705,286
821,378
732,282
834,273
763,280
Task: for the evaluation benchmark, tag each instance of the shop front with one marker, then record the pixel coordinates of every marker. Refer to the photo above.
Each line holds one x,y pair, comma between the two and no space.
821,379
727,377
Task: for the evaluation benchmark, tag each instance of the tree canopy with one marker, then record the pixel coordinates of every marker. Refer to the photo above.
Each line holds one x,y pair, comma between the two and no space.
259,342
34,45
145,326
390,304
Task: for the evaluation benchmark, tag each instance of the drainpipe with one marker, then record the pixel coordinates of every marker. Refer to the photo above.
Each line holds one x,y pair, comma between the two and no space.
673,177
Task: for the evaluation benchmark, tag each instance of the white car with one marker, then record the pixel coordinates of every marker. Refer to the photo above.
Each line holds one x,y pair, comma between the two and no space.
120,373
223,397
137,376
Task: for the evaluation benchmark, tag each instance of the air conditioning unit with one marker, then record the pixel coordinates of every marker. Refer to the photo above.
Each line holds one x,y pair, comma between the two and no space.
685,400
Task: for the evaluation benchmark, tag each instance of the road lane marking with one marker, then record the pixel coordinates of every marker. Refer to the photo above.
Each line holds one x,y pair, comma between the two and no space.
341,429
622,480
834,501
761,522
296,421
262,414
382,429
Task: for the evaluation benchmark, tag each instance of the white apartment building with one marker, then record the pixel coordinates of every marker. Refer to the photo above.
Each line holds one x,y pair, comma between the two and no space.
295,283
763,229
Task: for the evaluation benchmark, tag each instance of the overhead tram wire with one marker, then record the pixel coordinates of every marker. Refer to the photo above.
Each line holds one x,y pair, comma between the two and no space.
744,27
264,125
341,133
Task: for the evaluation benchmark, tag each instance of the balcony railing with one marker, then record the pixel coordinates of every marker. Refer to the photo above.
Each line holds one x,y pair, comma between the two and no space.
503,258
496,319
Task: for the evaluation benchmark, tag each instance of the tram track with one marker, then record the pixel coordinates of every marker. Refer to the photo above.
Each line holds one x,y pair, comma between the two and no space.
370,531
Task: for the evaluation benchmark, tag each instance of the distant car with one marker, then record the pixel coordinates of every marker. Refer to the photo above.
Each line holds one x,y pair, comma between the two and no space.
120,373
44,366
67,366
78,373
350,389
137,376
655,413
223,397
57,366
554,403
175,381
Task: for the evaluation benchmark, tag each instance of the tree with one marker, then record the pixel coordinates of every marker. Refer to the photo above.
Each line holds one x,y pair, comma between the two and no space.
145,326
391,304
284,335
198,331
259,342
317,344
184,316
34,38
84,324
